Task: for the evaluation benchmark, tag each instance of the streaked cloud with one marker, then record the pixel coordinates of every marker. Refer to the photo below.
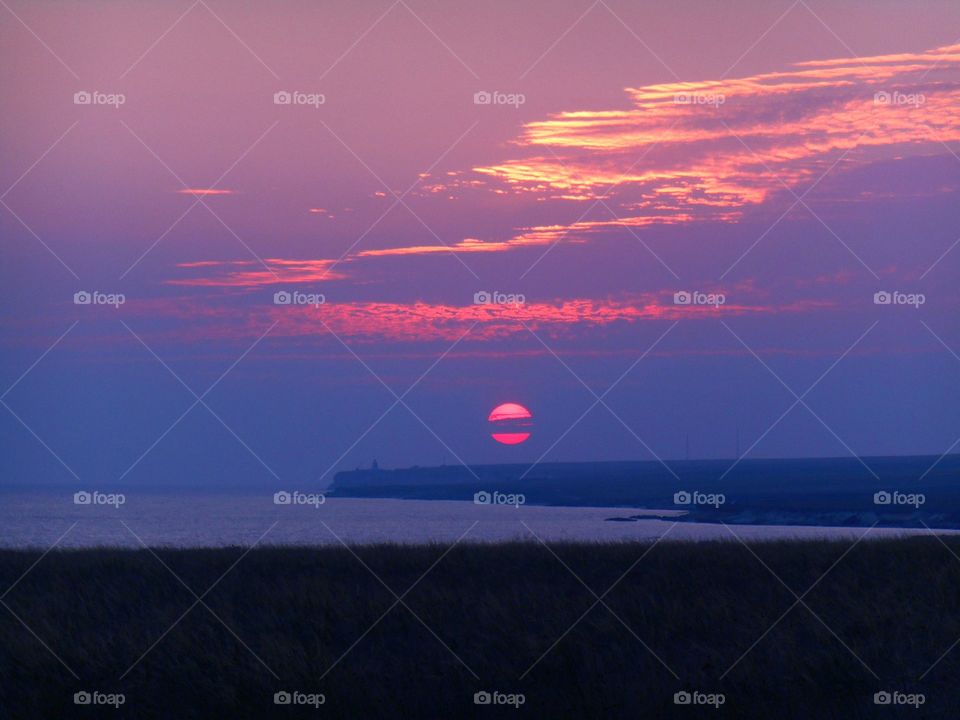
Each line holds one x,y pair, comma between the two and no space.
253,274
708,151
731,142
204,192
689,152
537,235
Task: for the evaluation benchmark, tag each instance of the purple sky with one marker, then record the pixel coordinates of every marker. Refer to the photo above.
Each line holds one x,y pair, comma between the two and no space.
788,159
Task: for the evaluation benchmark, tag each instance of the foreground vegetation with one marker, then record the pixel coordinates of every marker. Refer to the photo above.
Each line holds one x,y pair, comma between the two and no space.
485,618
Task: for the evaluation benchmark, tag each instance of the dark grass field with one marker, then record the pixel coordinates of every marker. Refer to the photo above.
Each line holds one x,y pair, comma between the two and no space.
508,618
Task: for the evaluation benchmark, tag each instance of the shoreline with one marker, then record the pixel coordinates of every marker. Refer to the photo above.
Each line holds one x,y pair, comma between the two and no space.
212,521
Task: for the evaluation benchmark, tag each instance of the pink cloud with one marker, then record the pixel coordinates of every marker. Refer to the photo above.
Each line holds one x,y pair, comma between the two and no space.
425,322
253,274
203,192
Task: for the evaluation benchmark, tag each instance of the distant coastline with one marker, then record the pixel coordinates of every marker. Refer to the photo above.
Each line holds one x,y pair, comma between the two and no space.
911,491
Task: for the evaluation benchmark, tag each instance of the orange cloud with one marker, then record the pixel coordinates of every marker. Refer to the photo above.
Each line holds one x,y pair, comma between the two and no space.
791,122
707,151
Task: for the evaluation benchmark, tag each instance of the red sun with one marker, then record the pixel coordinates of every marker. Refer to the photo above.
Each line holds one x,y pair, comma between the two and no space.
511,423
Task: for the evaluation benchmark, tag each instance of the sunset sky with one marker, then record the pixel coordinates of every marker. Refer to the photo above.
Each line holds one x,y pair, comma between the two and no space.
779,163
